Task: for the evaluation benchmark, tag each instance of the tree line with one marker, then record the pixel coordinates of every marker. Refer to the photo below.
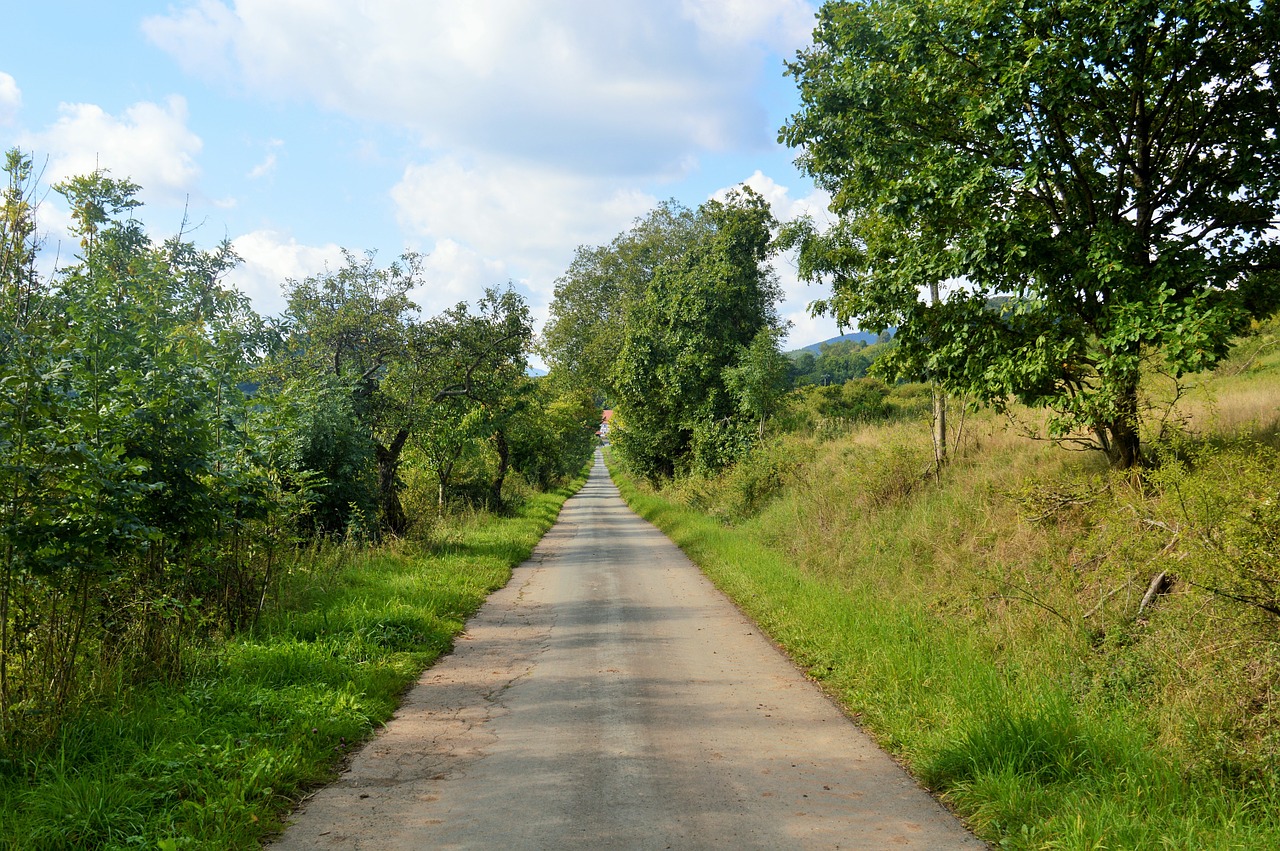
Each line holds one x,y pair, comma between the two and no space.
1047,202
674,323
164,450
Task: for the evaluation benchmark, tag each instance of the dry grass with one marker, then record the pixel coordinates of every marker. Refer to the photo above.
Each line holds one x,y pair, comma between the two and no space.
1040,558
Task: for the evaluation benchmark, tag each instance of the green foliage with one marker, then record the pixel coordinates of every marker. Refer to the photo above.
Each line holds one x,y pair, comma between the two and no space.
137,513
219,758
759,378
554,435
699,315
1094,182
595,295
836,362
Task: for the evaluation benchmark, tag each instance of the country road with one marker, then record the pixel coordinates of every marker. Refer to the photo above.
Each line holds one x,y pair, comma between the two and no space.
610,697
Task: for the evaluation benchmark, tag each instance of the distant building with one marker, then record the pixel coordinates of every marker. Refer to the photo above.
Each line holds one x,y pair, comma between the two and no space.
605,424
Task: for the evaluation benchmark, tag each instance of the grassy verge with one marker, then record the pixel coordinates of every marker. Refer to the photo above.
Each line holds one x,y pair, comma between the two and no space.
875,596
217,760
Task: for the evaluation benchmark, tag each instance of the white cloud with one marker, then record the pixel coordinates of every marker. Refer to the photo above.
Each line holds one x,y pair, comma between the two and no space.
785,208
504,206
149,144
200,37
270,259
782,25
619,87
797,295
10,99
268,165
454,273
501,220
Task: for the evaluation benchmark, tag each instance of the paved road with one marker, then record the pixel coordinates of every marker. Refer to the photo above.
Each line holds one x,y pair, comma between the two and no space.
609,697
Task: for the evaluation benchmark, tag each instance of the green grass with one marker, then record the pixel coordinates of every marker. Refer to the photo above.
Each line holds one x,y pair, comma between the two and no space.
904,611
218,760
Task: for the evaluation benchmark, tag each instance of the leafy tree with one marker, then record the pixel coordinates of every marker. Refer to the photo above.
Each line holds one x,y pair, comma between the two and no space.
122,428
555,433
477,358
699,313
346,327
594,297
1084,185
759,379
445,433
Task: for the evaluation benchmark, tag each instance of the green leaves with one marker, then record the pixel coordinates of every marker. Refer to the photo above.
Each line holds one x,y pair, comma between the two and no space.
702,310
1114,164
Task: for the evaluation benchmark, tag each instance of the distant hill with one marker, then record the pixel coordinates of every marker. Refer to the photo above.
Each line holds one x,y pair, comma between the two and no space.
861,336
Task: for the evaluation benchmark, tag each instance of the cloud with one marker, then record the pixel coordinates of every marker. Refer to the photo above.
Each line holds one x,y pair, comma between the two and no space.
620,88
268,165
10,99
149,144
201,37
784,207
509,206
270,259
782,25
453,273
496,220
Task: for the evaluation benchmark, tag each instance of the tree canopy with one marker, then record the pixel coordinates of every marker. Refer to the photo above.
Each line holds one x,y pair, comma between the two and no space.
696,319
1091,184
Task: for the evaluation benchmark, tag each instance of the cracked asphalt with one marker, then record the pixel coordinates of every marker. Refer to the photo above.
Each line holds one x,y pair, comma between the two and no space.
610,697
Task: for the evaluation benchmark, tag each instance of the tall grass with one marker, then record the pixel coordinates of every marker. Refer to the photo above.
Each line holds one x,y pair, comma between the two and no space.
218,759
987,629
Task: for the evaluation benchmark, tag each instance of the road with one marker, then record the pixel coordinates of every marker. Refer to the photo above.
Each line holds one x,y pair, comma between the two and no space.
610,697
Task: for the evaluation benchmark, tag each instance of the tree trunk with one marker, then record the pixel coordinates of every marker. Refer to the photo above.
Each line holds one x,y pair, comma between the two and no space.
939,403
939,426
1121,434
443,474
504,460
388,457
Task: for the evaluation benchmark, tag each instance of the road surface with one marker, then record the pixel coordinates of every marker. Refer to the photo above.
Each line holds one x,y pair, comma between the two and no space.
610,697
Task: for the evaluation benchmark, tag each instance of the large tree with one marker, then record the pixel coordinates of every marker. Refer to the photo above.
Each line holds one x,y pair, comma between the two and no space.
594,296
699,314
1094,182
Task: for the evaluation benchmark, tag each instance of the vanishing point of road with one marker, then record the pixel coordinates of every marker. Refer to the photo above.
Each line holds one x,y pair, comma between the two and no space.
610,697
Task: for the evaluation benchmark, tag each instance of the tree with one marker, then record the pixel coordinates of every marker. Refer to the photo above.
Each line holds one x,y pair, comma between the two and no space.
1094,182
554,435
473,361
345,328
593,298
699,313
759,379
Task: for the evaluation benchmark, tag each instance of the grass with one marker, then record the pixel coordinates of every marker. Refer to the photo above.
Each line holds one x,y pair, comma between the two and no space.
218,760
985,629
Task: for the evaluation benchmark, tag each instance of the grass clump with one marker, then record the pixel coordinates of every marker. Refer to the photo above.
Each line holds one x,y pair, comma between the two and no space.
217,759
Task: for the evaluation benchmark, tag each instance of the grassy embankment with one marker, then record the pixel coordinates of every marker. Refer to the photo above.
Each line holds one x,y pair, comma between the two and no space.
217,760
988,629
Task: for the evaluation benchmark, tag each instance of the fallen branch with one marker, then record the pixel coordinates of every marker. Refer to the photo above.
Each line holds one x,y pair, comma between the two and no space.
1161,584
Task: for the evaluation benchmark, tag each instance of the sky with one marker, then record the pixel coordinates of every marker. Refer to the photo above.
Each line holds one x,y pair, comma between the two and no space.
492,136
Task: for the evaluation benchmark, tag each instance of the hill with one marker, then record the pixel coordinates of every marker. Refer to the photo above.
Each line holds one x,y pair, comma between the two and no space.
857,336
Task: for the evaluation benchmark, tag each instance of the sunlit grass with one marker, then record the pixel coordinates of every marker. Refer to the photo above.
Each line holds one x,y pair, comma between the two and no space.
217,760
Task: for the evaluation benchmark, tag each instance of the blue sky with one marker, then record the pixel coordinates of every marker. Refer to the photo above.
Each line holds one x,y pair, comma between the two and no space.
494,136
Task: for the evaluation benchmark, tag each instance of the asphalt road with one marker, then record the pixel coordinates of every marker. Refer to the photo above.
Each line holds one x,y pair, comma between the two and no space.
610,697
